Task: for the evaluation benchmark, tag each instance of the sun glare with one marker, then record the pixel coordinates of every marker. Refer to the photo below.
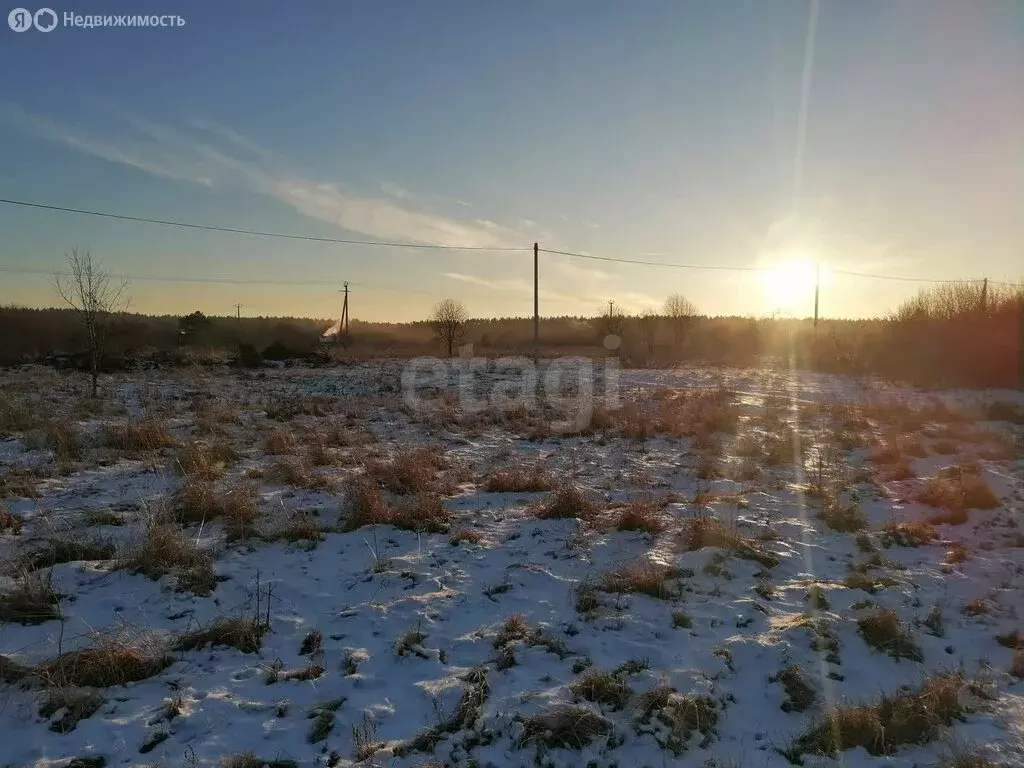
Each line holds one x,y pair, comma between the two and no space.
789,283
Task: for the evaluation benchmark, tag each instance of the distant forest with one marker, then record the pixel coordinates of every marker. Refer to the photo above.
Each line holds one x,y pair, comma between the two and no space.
952,335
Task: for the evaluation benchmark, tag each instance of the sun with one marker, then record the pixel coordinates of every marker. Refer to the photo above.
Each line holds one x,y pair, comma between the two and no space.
789,282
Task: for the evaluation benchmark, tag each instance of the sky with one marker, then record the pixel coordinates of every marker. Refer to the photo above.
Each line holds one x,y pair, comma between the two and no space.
657,130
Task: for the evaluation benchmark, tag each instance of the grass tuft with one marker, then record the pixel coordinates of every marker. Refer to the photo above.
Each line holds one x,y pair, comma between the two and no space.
243,633
883,631
568,502
564,726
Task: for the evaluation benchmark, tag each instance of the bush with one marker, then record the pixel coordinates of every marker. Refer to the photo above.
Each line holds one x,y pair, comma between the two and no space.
568,502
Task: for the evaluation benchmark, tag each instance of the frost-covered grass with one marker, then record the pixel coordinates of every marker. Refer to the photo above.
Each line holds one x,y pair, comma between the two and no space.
296,568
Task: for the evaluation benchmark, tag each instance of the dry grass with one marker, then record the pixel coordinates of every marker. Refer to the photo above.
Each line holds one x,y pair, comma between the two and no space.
845,518
640,576
279,442
206,461
313,642
913,533
564,726
466,534
243,633
883,631
910,717
238,506
526,480
294,471
165,549
707,531
1017,665
276,674
15,416
867,581
799,693
412,471
64,440
8,520
675,717
18,483
67,550
364,504
568,502
32,601
421,512
957,489
113,661
641,515
602,687
138,437
250,760
73,704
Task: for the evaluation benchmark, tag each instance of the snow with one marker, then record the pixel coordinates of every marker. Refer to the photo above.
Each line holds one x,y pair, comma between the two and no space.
738,640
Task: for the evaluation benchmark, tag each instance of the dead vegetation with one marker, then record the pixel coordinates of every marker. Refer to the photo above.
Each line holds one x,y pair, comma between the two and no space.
241,632
602,687
883,631
906,718
673,718
799,693
640,576
568,502
912,533
708,531
531,479
296,472
205,460
165,549
32,601
955,490
641,515
408,472
114,660
63,549
138,437
563,726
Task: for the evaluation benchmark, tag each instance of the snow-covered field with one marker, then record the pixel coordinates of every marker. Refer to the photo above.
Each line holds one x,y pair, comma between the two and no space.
719,559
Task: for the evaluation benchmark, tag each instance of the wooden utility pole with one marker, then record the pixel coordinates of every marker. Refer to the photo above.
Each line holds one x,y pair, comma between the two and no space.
536,307
984,296
817,288
238,320
343,325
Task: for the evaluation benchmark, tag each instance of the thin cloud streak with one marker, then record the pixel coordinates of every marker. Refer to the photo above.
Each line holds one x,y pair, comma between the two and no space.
168,152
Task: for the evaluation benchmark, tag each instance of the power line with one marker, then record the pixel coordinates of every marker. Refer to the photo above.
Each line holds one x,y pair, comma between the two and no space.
256,233
651,263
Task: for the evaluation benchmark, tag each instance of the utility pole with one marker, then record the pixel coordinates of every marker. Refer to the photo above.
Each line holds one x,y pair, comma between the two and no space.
343,325
536,308
984,296
238,320
817,288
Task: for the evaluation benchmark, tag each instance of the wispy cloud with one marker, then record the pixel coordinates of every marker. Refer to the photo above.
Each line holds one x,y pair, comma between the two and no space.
212,155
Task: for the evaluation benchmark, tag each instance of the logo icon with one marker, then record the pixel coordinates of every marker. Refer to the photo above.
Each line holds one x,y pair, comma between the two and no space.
45,20
20,19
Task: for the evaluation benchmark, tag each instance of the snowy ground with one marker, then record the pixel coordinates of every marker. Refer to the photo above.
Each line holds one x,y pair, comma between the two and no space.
412,620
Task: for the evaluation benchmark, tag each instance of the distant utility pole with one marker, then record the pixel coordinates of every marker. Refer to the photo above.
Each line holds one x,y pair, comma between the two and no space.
536,308
343,325
817,288
238,319
984,296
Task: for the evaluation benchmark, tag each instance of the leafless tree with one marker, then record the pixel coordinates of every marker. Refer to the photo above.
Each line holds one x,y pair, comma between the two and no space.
649,320
449,321
681,313
95,296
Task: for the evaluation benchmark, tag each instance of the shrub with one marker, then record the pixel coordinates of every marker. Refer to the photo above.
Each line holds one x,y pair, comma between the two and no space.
422,512
412,471
957,489
64,440
675,716
842,517
291,470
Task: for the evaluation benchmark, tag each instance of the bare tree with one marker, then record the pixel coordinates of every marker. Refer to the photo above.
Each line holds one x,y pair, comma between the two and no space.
649,320
449,320
681,313
94,295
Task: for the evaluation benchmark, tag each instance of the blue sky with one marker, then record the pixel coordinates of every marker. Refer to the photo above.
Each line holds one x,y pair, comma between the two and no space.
626,129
